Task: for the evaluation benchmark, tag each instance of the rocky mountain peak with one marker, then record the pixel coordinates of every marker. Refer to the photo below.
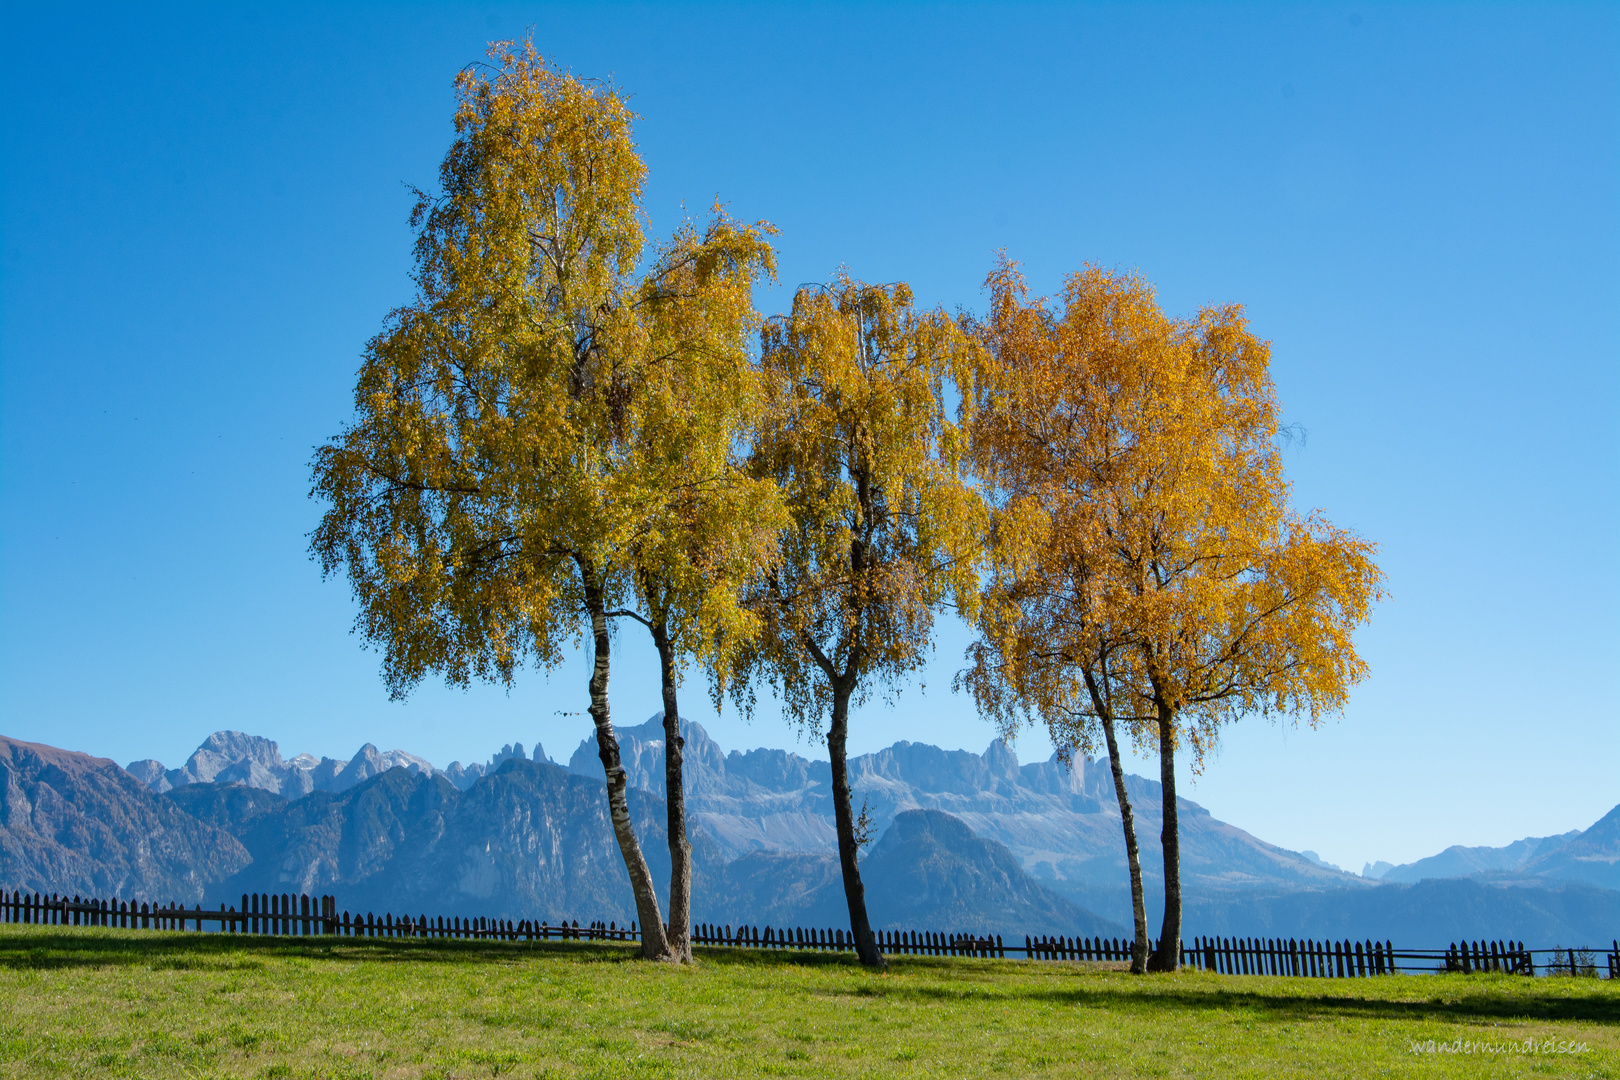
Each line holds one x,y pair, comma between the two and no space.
150,771
233,746
235,757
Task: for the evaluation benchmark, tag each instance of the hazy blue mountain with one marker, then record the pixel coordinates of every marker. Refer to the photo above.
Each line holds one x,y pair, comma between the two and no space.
225,806
1459,861
966,842
1593,856
1429,913
930,870
534,841
1061,822
528,841
767,889
72,823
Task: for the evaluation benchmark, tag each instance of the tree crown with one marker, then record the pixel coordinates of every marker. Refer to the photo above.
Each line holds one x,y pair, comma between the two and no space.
883,526
1143,538
533,413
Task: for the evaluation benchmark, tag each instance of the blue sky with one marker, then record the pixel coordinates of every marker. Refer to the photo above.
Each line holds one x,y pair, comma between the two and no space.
203,215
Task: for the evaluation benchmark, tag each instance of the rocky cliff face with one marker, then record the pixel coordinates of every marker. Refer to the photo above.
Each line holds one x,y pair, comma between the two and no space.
529,840
78,824
1061,822
231,757
534,841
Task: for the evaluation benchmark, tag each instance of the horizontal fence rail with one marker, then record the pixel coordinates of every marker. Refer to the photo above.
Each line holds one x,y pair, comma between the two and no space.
303,915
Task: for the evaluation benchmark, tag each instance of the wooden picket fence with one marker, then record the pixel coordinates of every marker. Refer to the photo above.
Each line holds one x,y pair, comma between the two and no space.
893,942
299,914
286,913
1357,959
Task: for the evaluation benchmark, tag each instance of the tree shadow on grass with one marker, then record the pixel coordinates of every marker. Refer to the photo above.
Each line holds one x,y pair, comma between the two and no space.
64,948
1531,1001
1455,997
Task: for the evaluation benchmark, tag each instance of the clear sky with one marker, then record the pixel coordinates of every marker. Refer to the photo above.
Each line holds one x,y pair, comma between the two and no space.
204,218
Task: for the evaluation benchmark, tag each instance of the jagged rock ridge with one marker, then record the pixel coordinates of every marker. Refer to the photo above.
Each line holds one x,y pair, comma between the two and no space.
1061,821
533,840
227,757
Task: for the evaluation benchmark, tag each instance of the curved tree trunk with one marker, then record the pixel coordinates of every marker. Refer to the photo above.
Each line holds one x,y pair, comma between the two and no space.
848,850
653,943
1139,948
1168,957
680,846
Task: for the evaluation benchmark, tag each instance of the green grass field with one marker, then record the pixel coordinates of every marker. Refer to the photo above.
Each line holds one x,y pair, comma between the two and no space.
122,1003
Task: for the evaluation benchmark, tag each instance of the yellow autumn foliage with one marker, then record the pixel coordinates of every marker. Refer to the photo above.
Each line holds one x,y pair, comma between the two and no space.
550,430
883,526
543,419
1146,566
1142,519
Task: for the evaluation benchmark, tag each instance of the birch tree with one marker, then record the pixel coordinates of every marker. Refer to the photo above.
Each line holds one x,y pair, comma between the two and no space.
1203,595
1047,650
486,499
716,528
883,527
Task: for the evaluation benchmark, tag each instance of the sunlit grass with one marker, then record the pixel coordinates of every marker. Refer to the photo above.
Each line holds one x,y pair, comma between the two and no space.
123,1003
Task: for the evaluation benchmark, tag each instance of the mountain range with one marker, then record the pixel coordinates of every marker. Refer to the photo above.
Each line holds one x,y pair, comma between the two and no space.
1586,856
526,840
227,757
966,842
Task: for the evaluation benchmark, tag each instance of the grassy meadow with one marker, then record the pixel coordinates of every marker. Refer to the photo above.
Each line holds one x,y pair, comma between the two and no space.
112,1003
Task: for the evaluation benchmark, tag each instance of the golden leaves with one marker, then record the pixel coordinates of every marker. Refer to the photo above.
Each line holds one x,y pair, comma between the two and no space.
543,413
1141,532
542,423
884,527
